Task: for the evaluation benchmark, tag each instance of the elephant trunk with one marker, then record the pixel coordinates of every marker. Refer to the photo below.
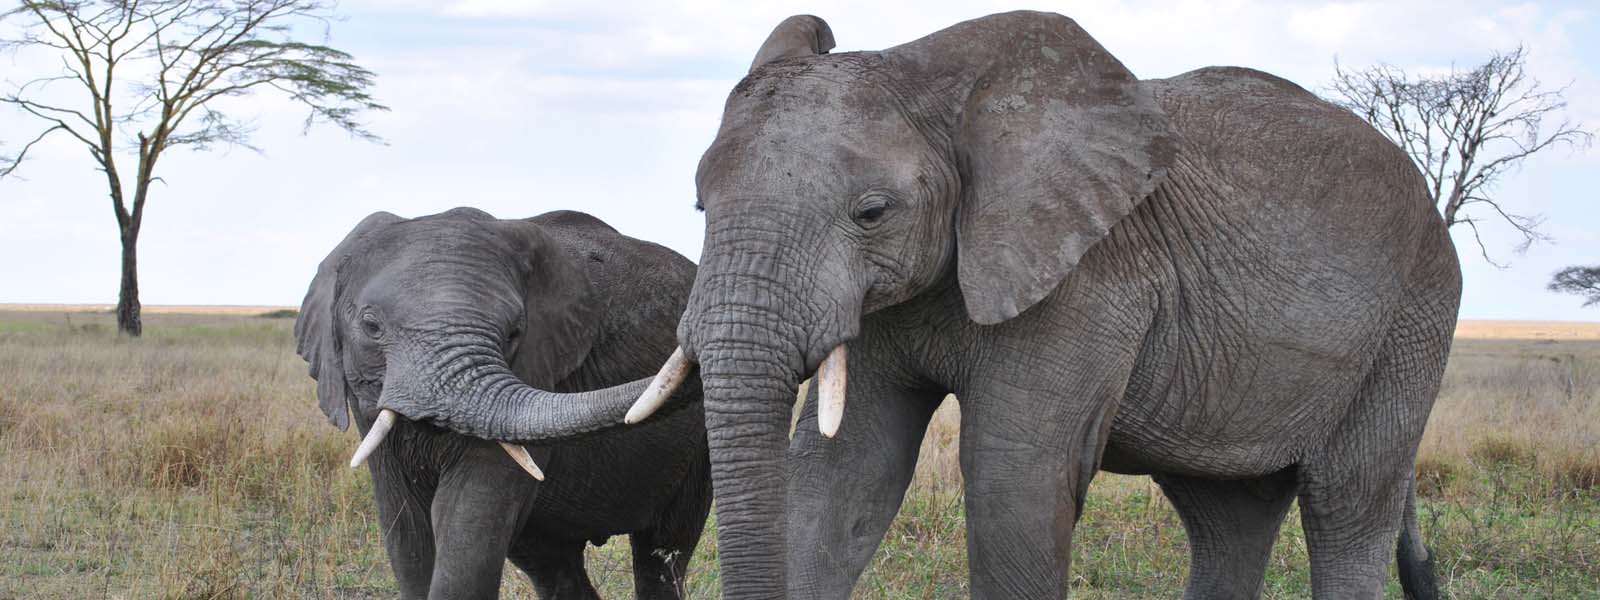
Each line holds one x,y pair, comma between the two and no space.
749,399
468,388
761,316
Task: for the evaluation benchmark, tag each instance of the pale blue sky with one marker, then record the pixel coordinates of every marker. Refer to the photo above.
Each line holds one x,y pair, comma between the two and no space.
524,107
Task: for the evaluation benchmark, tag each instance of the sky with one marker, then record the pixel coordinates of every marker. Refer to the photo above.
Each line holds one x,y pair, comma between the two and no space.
522,107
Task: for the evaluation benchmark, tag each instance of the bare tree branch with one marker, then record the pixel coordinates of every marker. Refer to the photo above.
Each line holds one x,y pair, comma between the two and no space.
10,163
197,52
1465,130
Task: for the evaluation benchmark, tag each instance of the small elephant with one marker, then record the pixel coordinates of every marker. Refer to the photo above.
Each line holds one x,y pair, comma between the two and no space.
461,309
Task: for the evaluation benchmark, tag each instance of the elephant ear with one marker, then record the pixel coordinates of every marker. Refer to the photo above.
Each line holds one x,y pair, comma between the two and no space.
799,35
1057,142
316,329
562,311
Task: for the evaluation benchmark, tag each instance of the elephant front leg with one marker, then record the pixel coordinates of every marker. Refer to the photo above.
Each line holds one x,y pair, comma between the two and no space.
403,519
844,492
477,510
1027,458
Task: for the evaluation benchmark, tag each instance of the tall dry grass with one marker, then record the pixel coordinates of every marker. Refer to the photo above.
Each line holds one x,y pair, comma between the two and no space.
182,465
193,464
1529,403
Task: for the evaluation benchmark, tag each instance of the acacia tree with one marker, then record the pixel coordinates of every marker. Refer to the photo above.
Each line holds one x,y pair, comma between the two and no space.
140,77
1583,281
1465,130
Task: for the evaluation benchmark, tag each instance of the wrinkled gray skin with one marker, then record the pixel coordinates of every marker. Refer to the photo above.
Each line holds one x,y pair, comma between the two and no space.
1216,279
457,311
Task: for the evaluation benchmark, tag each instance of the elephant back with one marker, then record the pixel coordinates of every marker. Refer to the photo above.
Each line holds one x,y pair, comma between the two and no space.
644,287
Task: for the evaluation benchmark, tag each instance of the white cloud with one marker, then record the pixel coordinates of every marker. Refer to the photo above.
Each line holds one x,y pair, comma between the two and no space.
1327,25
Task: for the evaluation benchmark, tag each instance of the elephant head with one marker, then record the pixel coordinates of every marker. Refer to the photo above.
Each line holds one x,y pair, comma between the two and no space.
448,319
993,154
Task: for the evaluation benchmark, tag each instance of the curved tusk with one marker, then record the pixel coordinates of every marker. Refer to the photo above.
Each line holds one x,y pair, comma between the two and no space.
831,379
660,389
380,429
524,460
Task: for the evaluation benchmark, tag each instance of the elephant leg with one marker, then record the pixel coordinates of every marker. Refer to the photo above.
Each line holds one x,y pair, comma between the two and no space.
403,519
477,510
1355,490
844,492
1350,522
661,564
661,555
1028,453
1231,527
556,569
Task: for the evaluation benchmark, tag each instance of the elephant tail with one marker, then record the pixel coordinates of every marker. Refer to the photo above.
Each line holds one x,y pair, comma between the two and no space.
1415,558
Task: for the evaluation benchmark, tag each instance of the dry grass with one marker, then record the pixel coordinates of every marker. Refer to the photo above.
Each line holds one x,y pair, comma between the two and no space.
193,464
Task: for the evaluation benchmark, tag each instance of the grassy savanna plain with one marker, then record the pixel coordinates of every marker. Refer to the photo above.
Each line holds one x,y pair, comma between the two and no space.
193,463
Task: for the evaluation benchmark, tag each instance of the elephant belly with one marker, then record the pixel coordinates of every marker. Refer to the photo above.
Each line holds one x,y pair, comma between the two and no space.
617,483
1242,399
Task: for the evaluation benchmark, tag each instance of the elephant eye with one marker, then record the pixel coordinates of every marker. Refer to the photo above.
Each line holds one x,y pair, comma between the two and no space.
870,210
371,326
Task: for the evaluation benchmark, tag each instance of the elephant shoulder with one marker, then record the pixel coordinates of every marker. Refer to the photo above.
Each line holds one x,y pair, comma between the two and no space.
572,219
590,238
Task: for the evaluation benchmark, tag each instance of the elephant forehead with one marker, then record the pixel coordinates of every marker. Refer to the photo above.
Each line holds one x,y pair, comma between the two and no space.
848,130
427,268
436,286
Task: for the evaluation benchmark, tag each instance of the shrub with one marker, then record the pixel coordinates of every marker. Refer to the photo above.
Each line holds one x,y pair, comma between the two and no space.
1574,473
1435,473
1498,450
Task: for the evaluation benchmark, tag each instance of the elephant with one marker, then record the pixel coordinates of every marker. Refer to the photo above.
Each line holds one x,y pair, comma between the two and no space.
461,309
1216,279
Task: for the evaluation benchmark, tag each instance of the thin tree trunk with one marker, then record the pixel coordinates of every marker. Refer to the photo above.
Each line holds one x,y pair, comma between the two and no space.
128,321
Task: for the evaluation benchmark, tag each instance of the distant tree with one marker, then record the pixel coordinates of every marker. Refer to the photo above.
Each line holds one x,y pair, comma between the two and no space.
1465,130
154,70
1583,281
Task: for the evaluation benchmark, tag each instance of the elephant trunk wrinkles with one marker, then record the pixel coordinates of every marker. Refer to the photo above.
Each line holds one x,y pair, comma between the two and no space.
748,403
481,397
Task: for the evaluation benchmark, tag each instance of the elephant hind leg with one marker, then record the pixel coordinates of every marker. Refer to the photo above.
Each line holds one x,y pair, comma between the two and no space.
1231,527
555,567
661,555
660,565
1357,488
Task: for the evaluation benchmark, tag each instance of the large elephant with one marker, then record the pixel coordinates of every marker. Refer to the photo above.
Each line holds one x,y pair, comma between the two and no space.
458,312
1216,279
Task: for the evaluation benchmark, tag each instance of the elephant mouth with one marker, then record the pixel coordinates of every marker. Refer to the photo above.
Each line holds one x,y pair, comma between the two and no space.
831,379
385,422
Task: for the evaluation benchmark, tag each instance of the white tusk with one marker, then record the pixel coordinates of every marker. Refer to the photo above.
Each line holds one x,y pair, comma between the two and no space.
831,379
380,429
671,376
525,460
